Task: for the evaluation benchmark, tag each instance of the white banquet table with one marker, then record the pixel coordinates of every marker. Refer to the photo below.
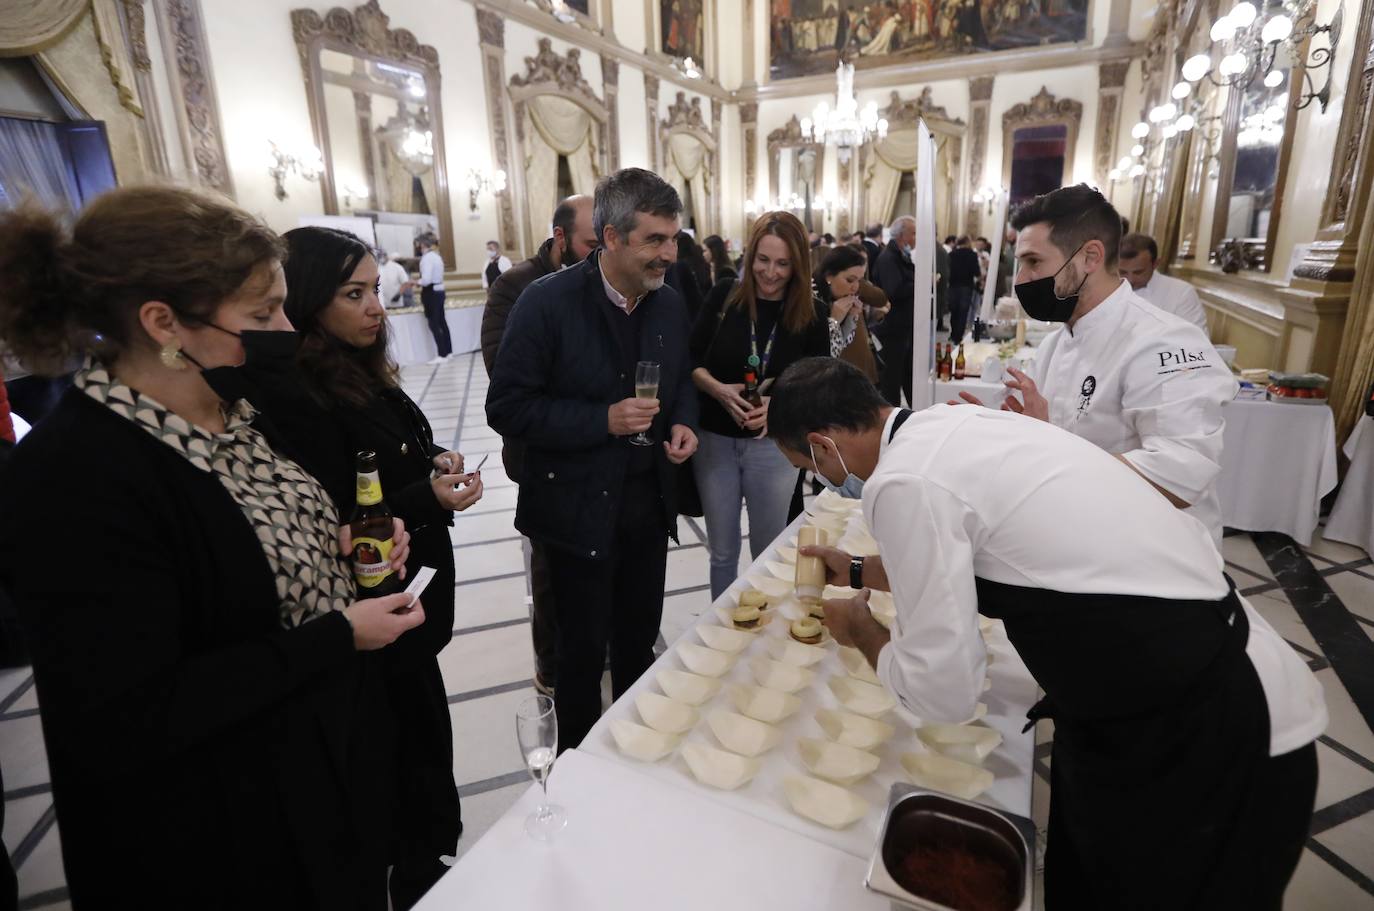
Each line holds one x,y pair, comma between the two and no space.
1277,463
412,343
1352,516
631,843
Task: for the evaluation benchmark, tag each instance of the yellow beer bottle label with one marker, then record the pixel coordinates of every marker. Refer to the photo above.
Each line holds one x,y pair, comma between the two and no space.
369,488
371,561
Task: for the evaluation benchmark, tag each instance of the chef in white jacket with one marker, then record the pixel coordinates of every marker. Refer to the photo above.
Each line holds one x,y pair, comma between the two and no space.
1184,770
1138,260
1140,383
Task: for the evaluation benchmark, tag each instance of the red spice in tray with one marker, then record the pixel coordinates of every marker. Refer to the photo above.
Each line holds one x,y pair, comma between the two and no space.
959,878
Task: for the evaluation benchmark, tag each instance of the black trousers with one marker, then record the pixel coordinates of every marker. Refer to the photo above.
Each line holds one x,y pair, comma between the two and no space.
961,301
614,603
433,301
895,375
543,618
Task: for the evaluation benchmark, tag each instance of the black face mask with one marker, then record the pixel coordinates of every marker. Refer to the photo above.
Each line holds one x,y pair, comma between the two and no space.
269,357
1039,300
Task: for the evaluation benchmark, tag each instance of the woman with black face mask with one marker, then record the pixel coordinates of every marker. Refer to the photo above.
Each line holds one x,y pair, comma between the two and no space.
347,399
211,690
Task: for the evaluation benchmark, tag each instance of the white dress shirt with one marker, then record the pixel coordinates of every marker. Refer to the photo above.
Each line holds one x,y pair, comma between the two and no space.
965,493
393,276
1174,295
432,270
1147,385
503,264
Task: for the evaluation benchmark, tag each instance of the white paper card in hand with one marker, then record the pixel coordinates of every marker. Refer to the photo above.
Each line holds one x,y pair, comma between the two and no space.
417,585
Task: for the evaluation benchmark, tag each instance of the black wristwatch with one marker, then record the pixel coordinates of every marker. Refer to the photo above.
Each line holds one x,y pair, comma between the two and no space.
856,572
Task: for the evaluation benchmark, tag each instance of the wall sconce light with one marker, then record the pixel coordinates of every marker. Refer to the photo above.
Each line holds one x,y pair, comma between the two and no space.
988,196
561,12
688,67
307,163
354,191
479,180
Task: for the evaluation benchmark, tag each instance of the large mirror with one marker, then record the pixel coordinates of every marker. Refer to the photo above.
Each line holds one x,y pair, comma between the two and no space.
796,171
1038,140
1260,127
374,102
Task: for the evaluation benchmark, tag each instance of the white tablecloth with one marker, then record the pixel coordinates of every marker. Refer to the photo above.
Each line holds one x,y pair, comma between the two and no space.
990,394
412,343
633,844
1012,692
1352,516
1277,463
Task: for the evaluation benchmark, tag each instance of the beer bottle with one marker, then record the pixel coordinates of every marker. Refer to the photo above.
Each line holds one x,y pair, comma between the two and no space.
959,365
947,363
751,386
372,530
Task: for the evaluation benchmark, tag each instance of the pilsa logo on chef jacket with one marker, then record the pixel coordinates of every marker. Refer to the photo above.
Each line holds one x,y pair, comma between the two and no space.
1085,397
1177,360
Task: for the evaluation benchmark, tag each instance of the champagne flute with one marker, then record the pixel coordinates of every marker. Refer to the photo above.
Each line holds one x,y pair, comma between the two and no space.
646,387
536,729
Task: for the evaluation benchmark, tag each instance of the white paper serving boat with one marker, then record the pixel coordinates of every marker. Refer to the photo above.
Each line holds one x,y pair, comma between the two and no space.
798,654
727,621
950,776
773,588
778,675
860,697
857,731
681,686
969,743
835,761
858,667
741,734
784,571
823,802
762,704
665,715
787,554
639,742
719,768
725,639
705,661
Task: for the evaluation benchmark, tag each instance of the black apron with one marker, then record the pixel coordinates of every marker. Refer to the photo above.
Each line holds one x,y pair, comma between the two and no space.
1161,746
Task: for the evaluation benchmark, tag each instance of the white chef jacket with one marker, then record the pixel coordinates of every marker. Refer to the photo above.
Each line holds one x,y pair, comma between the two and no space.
1147,385
965,493
393,276
432,270
1174,295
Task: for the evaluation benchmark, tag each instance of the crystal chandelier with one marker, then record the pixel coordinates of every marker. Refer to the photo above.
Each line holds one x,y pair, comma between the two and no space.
844,125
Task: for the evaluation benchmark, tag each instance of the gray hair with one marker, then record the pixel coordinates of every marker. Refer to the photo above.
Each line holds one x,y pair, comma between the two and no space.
896,226
621,196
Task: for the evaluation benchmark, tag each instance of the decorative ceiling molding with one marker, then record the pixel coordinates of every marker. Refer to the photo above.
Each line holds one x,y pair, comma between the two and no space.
552,73
1043,108
908,113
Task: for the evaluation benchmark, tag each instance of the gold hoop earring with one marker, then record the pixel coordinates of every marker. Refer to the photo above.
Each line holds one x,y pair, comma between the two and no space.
171,356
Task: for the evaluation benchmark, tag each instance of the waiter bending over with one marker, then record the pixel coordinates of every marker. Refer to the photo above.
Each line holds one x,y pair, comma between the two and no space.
1183,771
1143,384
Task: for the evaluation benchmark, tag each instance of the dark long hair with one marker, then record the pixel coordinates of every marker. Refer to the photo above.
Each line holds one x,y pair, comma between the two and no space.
798,308
720,257
318,262
835,262
689,254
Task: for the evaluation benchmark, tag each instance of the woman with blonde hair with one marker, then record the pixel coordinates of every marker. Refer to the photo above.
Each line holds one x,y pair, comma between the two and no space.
747,334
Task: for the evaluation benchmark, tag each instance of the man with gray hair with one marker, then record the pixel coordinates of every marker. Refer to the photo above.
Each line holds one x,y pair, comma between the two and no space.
599,482
896,275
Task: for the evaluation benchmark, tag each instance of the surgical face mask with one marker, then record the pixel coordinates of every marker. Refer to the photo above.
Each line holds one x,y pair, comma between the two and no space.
492,254
1042,302
852,488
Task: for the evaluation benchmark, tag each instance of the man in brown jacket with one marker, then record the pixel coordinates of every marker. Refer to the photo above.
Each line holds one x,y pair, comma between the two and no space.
572,241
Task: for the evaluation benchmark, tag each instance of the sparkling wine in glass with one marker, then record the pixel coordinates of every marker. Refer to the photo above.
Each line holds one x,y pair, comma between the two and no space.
646,387
536,729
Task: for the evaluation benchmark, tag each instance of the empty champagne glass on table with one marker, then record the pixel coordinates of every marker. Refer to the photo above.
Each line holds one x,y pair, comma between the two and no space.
646,387
536,729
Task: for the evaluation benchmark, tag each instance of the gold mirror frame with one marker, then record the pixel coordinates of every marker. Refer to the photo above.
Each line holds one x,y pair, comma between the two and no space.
365,32
1043,110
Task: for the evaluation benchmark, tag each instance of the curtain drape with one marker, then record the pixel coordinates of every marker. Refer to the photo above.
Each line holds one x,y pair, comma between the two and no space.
32,162
430,190
541,186
582,165
888,160
399,187
688,157
1355,364
30,26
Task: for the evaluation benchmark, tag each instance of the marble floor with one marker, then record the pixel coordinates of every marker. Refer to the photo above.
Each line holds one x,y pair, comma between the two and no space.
1320,598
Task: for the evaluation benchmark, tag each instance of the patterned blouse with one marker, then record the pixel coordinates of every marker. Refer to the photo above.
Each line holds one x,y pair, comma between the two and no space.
293,517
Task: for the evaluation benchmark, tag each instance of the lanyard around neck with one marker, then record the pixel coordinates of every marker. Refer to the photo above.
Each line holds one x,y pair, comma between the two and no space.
761,364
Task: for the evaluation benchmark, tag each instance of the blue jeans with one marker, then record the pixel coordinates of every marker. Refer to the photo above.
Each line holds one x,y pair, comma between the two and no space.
727,471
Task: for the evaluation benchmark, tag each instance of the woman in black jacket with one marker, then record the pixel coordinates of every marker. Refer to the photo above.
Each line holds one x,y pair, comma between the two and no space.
217,731
718,260
755,328
351,400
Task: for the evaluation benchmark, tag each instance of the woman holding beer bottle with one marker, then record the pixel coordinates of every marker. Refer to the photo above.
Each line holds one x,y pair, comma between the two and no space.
209,700
356,407
749,332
